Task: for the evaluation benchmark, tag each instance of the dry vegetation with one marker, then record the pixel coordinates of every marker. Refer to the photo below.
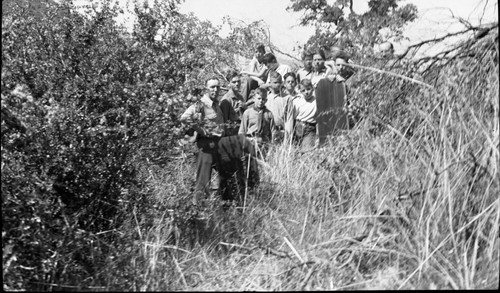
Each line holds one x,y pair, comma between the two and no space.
95,196
408,200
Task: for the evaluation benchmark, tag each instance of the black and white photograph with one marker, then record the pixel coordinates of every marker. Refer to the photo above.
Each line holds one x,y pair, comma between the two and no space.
263,145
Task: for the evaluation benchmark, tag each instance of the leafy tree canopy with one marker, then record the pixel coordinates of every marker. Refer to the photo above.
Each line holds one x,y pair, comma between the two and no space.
339,24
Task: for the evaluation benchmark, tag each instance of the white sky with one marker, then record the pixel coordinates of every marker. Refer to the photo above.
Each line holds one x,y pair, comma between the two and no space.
436,17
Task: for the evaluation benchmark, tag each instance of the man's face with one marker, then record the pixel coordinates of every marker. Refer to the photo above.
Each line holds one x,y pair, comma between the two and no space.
308,61
259,100
213,88
307,91
259,54
235,83
272,66
290,83
339,64
275,85
318,62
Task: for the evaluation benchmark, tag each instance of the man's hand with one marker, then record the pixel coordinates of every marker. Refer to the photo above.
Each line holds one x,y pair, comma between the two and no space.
239,106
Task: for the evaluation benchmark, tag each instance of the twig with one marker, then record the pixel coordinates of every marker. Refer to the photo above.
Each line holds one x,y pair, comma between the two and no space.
305,219
294,250
246,183
268,250
220,73
389,73
180,271
137,223
69,286
308,276
435,40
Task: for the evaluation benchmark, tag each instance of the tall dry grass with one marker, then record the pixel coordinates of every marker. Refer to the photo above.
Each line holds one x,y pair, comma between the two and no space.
412,205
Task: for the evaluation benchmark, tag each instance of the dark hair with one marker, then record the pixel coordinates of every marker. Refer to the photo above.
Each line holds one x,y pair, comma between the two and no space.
269,58
260,90
334,49
306,83
196,92
320,52
338,52
306,53
275,75
232,73
212,77
260,47
290,74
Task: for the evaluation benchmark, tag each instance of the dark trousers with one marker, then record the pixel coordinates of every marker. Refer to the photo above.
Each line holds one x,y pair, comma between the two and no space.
305,134
234,157
207,159
238,168
247,85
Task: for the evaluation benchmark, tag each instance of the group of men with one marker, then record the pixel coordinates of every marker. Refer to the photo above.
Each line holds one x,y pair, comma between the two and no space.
263,105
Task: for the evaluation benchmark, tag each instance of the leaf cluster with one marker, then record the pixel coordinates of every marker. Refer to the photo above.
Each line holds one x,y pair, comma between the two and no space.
83,102
338,24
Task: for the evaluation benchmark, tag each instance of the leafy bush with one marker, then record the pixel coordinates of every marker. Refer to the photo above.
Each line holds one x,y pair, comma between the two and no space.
84,101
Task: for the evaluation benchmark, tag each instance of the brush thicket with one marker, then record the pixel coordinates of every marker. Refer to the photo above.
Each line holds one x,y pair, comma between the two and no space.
407,199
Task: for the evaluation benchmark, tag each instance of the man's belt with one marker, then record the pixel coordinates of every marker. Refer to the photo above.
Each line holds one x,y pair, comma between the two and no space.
307,123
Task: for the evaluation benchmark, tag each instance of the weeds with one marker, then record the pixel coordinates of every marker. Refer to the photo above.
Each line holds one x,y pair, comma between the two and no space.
411,206
407,199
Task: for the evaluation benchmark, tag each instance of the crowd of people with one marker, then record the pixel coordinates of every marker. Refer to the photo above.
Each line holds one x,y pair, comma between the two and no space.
265,104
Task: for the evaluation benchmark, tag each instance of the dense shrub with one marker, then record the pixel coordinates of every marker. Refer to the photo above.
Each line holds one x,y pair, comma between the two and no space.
83,101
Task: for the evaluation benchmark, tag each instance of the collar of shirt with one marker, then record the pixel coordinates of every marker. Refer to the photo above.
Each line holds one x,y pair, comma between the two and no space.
322,71
286,93
207,101
310,71
233,96
272,96
259,109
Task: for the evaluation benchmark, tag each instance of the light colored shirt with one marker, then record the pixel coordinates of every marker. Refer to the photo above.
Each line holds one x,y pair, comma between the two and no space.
317,76
283,112
255,65
303,74
250,123
305,110
206,116
282,69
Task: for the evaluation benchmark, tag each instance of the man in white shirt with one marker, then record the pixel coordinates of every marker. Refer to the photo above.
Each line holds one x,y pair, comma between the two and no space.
216,149
281,107
306,71
205,117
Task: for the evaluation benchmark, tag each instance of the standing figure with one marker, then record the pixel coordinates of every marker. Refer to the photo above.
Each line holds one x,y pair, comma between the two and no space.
232,103
305,115
281,107
318,64
205,117
237,167
331,97
257,122
290,80
306,71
